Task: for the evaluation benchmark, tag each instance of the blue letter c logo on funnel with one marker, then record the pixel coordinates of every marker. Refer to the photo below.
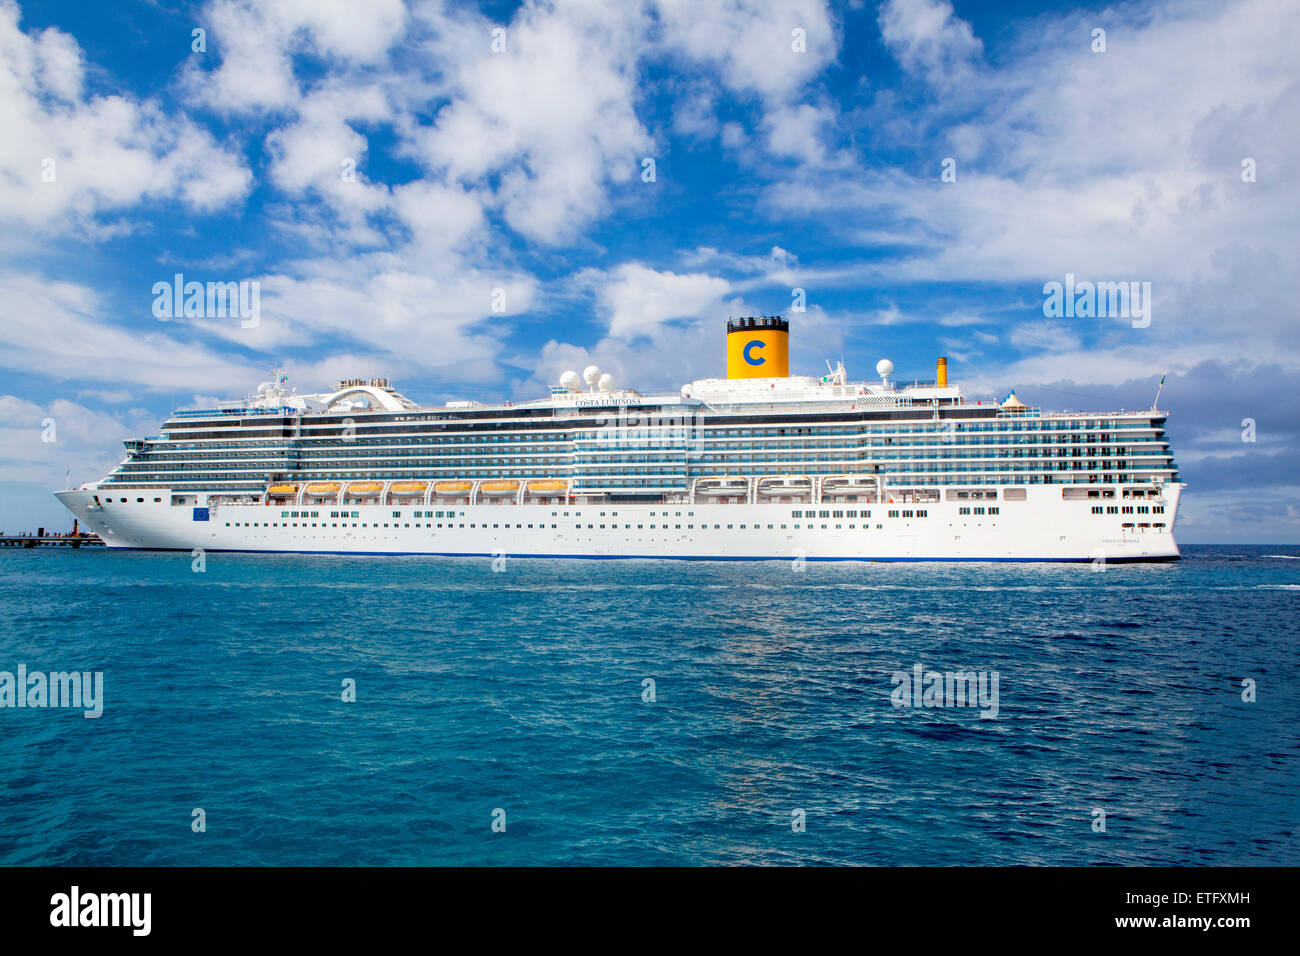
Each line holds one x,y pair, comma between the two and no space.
750,346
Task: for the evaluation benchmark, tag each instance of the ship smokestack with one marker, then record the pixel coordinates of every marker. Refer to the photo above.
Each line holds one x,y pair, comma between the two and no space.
758,347
941,373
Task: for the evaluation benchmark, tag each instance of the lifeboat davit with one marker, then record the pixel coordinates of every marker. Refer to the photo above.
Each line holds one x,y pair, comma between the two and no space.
453,487
323,489
282,490
407,488
497,489
365,488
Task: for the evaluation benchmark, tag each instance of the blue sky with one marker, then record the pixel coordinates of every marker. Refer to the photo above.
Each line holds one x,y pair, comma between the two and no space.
776,167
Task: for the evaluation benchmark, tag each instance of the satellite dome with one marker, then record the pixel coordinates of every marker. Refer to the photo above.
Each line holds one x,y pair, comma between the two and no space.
606,383
570,379
591,374
884,368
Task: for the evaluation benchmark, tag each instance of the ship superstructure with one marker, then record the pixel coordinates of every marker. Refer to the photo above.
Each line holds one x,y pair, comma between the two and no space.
760,464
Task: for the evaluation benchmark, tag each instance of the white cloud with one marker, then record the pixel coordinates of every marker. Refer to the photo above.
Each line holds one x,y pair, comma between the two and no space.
1045,337
65,160
59,330
927,39
751,42
552,117
638,300
43,441
254,44
797,132
1117,166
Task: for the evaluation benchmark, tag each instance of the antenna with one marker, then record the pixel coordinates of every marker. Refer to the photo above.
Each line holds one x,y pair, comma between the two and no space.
1158,388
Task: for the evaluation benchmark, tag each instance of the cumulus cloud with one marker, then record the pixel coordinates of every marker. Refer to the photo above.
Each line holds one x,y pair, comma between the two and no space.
929,40
638,300
65,158
551,117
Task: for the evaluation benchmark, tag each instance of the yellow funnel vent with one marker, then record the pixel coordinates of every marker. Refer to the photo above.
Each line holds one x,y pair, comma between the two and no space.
758,347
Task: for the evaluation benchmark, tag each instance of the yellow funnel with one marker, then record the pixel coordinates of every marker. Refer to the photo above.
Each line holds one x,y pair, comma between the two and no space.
758,347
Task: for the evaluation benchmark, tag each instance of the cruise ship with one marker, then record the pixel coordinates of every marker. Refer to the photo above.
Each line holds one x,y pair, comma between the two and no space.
759,465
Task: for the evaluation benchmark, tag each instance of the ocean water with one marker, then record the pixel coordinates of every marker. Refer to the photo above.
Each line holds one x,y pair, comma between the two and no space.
523,691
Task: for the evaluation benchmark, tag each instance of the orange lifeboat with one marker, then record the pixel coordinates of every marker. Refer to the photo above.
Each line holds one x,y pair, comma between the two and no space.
547,486
407,488
453,487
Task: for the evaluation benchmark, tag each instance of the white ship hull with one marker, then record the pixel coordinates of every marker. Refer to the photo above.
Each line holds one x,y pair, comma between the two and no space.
1043,527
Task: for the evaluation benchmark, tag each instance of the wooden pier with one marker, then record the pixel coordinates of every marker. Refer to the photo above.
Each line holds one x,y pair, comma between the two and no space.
77,539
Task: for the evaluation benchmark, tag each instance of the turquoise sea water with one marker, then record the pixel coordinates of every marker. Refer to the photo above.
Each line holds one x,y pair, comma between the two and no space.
522,691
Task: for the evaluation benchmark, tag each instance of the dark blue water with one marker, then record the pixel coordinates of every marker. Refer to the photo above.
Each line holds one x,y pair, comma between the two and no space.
522,690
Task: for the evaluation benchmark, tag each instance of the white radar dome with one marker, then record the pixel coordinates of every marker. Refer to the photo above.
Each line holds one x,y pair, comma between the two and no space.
570,379
606,383
884,368
591,374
